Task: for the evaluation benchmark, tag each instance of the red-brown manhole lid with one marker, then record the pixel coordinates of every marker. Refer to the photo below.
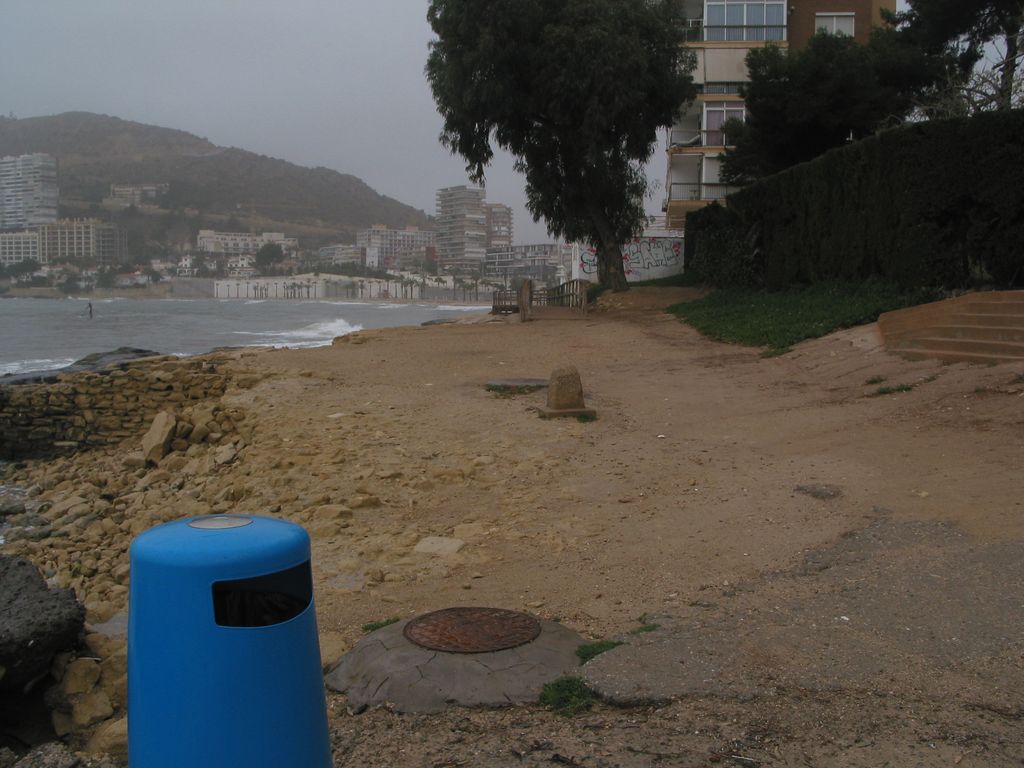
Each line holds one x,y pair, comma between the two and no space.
472,630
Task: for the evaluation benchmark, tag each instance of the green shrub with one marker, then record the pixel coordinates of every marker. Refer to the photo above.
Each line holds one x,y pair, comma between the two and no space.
929,204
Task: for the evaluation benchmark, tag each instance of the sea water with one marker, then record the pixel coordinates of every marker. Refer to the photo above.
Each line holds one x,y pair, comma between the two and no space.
44,334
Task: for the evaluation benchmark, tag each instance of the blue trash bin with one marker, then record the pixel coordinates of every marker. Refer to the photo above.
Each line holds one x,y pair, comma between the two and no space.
223,654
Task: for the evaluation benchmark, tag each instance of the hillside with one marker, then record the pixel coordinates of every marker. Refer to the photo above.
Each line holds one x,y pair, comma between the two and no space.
95,151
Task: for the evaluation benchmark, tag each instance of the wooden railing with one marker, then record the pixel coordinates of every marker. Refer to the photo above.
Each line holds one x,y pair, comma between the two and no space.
572,295
504,302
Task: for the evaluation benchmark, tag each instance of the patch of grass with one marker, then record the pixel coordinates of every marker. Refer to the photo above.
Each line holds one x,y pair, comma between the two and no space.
373,626
893,390
780,320
683,280
504,390
588,651
586,418
875,380
776,352
644,629
567,696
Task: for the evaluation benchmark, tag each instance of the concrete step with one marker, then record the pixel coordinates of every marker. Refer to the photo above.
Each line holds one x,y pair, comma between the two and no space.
975,332
953,356
972,346
996,306
989,320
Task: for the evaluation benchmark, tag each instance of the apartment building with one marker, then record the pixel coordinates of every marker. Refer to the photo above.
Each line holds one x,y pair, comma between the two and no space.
231,243
721,33
544,263
342,254
461,229
136,194
88,240
16,247
28,191
498,219
396,247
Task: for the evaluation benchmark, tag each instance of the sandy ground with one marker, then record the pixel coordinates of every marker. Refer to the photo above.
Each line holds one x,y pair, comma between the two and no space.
679,499
683,487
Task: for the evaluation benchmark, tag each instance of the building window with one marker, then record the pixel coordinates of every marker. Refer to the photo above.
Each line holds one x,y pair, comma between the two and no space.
716,113
742,20
834,23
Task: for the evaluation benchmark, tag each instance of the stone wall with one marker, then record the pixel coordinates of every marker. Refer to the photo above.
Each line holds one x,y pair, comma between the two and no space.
85,410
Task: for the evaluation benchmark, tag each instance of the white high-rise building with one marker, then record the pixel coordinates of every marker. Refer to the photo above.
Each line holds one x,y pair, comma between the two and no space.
28,191
461,229
396,247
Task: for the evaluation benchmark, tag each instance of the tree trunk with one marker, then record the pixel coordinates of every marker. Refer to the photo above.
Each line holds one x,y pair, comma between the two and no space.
1008,75
610,272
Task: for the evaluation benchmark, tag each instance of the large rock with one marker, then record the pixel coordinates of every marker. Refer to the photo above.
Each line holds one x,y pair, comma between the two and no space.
565,395
98,361
439,545
35,622
565,389
157,441
111,738
52,755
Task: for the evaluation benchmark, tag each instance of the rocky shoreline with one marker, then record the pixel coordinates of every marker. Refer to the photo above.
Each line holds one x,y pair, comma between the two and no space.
74,516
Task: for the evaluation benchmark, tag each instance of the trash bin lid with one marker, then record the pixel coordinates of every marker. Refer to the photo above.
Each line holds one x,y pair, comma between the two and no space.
228,546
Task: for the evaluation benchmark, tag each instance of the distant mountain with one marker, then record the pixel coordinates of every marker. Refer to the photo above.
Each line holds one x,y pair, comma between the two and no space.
95,151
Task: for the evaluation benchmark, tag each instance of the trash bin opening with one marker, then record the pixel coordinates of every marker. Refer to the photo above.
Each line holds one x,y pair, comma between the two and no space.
262,601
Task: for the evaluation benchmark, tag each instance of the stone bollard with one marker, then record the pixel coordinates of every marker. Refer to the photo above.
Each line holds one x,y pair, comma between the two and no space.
565,395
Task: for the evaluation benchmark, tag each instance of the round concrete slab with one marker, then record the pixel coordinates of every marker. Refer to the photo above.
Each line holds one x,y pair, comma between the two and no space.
386,669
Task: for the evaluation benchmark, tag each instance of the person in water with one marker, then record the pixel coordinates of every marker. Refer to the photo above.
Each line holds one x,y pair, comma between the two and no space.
90,310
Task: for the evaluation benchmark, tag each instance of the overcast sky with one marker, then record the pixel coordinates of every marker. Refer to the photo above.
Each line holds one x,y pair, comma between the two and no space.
337,83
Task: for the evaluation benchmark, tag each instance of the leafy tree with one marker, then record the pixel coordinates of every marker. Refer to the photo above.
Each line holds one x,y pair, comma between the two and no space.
801,103
26,267
969,30
105,278
575,90
69,285
269,256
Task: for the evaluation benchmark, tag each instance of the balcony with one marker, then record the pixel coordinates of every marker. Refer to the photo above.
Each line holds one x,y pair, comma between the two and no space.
698,32
681,140
688,192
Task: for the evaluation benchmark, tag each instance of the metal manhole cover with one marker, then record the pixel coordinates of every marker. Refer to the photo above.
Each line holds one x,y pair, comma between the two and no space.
472,630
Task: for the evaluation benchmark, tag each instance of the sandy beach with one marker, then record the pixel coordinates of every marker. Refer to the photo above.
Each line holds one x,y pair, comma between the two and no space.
708,492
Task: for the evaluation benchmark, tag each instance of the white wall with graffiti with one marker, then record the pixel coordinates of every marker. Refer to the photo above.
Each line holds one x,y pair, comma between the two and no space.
646,258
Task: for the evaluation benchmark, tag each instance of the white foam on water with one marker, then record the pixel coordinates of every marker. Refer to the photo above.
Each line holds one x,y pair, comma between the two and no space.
315,335
45,364
462,307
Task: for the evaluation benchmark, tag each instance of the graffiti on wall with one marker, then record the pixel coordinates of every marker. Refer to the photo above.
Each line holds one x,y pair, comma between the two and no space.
647,258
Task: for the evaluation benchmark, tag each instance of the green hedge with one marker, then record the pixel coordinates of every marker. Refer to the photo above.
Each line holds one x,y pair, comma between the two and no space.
922,205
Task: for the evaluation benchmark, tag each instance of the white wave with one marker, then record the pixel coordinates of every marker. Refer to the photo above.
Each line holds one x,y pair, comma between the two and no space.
462,307
255,301
44,364
314,335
